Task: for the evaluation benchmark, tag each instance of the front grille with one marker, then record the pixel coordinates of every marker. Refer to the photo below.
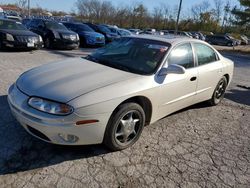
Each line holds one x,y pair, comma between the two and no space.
38,133
99,38
27,39
69,37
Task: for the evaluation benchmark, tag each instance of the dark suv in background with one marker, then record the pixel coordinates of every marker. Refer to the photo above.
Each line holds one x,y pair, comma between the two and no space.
88,37
109,35
220,40
14,35
54,34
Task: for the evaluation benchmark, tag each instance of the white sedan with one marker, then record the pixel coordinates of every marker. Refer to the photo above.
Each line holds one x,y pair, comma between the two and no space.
110,95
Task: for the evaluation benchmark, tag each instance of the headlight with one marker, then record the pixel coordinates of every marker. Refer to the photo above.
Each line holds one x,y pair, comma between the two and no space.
69,37
56,35
50,106
77,37
9,37
40,39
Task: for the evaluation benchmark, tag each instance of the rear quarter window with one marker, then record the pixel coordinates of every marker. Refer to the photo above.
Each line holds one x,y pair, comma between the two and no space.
204,54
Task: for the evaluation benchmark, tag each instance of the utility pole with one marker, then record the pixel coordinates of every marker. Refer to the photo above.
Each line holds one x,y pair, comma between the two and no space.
28,8
178,17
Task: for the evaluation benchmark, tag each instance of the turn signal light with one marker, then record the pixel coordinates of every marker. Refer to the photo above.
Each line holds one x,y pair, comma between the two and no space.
83,122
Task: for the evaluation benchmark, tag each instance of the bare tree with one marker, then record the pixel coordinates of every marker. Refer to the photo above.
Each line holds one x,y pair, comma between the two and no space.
200,8
219,5
23,5
158,16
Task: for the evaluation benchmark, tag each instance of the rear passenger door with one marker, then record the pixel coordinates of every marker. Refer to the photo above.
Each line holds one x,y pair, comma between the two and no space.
209,69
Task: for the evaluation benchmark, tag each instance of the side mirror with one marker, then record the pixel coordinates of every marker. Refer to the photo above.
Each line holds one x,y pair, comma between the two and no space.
172,69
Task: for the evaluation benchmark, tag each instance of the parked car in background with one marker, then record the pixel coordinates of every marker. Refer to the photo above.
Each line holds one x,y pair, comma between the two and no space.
2,16
88,37
118,31
165,32
135,31
194,35
236,41
14,35
25,22
184,33
109,36
113,29
220,40
244,40
201,36
124,32
109,96
55,35
148,31
15,18
180,33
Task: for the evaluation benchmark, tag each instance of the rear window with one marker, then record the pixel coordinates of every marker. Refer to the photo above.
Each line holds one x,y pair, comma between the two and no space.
55,25
5,24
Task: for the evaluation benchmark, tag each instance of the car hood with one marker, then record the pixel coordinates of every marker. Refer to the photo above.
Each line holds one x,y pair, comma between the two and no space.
92,34
64,31
18,32
66,80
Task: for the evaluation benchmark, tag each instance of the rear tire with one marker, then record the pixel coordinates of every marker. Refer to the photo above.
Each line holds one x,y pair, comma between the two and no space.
124,127
47,43
219,92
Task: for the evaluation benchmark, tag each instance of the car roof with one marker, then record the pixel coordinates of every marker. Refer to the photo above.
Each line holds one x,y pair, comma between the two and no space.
171,39
10,20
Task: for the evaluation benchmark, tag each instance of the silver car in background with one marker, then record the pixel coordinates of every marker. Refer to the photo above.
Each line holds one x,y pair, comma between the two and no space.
110,95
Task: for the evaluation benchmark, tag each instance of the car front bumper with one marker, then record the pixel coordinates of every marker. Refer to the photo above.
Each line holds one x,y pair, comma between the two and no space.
21,45
65,44
54,129
95,42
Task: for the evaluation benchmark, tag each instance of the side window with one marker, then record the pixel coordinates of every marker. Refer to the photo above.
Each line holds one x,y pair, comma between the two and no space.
40,23
32,23
182,55
204,54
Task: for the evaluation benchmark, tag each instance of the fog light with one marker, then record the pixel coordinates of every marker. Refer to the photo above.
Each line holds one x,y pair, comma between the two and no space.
68,137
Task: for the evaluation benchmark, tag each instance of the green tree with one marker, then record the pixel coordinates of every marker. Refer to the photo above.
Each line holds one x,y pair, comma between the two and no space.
243,14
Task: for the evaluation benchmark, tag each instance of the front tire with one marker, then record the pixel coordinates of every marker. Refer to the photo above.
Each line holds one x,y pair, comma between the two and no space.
219,91
124,127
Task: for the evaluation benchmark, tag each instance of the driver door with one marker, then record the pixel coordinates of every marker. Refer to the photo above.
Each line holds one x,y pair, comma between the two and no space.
178,90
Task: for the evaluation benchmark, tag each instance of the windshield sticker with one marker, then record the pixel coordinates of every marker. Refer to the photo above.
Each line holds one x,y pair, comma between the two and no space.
158,47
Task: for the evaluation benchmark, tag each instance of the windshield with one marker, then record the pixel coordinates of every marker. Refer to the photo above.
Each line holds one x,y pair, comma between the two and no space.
104,29
5,24
55,25
113,30
140,56
124,32
84,28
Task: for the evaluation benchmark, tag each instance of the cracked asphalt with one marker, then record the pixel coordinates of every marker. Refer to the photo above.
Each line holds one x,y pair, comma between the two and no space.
200,146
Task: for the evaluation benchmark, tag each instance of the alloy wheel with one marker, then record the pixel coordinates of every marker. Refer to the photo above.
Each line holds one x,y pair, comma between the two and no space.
127,128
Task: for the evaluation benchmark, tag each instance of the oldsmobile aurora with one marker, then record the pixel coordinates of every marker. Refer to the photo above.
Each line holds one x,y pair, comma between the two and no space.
108,96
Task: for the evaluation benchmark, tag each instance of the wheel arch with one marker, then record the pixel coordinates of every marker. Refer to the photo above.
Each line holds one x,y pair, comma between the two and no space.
144,102
227,77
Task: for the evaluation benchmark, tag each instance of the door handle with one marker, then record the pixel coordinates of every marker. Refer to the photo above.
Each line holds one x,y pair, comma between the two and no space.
193,78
